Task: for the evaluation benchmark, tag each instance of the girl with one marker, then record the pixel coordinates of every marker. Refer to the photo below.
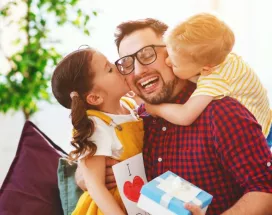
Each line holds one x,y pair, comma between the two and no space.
104,124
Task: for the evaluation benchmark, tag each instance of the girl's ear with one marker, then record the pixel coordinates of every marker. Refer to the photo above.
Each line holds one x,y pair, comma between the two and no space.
94,99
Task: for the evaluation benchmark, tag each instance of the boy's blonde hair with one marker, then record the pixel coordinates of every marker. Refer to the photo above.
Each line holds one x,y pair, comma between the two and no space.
204,37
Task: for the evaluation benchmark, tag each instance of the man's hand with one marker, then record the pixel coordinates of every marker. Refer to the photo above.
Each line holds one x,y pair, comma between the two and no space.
196,210
79,179
110,179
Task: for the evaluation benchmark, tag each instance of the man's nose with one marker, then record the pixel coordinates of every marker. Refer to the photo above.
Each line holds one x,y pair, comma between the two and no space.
139,68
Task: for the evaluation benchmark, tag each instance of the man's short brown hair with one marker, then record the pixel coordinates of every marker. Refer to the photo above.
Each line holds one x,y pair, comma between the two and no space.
129,27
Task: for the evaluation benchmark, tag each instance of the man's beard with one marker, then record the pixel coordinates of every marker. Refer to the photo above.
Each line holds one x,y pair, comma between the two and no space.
165,95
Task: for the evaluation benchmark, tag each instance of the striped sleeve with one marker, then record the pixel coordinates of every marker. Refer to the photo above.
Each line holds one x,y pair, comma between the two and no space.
212,85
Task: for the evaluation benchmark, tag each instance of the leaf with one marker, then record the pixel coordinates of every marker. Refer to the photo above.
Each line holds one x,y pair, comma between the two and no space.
79,12
87,18
43,22
86,31
32,16
74,2
5,11
76,22
16,42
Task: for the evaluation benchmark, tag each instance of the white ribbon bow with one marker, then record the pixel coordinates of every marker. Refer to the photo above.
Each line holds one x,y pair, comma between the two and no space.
180,189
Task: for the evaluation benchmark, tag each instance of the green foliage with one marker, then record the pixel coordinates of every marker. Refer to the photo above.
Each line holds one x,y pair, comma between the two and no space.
27,81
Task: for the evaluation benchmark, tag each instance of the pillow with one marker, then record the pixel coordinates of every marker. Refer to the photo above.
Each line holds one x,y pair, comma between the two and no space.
31,185
69,191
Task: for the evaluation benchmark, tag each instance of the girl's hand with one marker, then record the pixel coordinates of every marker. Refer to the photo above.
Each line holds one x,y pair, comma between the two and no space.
196,210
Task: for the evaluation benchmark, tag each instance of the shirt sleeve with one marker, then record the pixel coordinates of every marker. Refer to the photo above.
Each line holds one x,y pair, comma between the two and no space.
241,146
102,137
212,85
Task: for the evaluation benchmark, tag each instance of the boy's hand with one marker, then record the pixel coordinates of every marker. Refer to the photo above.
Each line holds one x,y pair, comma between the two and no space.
152,109
196,210
110,179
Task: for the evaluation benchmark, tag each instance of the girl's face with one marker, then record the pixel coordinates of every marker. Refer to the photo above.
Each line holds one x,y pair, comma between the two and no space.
107,80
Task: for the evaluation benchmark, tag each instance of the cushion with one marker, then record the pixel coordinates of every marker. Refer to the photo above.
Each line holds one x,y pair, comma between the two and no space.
69,191
31,185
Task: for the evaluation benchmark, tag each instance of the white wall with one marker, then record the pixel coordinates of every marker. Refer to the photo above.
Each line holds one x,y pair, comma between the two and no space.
250,20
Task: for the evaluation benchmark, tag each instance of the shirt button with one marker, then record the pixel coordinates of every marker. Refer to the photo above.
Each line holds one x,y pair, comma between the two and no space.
164,128
160,159
268,164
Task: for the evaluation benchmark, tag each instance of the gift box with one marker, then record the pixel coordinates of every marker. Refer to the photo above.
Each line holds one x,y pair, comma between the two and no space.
166,195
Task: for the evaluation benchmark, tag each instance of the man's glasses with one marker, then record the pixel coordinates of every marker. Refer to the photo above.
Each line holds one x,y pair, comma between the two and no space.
145,56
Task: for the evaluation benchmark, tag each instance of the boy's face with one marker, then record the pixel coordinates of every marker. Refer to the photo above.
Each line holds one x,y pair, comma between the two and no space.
182,63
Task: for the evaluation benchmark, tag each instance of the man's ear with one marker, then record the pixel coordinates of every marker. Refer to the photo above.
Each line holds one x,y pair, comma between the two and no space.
206,70
94,99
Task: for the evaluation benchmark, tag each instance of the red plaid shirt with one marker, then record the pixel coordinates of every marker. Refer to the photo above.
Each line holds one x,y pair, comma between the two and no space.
223,152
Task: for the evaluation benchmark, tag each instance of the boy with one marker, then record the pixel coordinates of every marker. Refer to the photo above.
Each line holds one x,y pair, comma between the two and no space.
200,50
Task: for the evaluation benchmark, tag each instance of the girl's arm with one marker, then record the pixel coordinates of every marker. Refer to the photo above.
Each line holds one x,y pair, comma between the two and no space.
179,114
93,169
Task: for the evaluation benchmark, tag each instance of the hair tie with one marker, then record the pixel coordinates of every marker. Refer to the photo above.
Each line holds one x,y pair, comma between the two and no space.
83,47
73,93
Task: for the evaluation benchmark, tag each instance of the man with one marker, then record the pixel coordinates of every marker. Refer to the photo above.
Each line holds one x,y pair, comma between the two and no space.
223,152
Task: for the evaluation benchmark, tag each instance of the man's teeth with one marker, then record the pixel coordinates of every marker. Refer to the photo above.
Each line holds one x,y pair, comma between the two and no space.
147,81
149,85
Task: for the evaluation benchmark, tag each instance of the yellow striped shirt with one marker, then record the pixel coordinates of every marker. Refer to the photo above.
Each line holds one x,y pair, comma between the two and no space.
236,79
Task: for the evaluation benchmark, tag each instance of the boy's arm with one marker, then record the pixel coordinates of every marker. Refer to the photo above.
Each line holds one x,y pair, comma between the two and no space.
179,114
93,169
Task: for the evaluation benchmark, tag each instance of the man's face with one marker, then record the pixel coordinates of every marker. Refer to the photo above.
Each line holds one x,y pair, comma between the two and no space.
156,82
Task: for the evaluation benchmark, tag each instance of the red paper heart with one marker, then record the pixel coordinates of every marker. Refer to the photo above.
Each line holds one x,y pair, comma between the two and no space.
132,190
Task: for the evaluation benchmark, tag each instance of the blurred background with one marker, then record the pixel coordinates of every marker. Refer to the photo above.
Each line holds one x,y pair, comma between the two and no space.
34,34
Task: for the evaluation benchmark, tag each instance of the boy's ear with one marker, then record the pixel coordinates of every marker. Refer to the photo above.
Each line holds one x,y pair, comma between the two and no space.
206,70
94,99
